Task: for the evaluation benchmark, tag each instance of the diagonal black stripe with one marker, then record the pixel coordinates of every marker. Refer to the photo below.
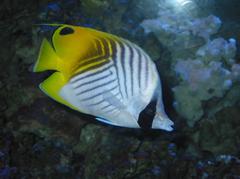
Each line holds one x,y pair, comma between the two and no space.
99,47
92,74
114,57
147,69
97,103
92,81
104,107
99,51
93,67
113,48
96,59
110,110
131,66
100,93
101,101
106,56
122,60
139,67
96,87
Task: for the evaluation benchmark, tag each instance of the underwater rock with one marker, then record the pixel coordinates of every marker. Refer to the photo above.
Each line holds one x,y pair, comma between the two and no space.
211,74
7,172
236,72
218,49
96,7
224,126
230,99
169,23
207,68
100,145
26,48
88,138
205,27
199,83
178,34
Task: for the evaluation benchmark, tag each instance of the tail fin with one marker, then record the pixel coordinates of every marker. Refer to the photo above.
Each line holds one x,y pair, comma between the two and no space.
47,59
161,121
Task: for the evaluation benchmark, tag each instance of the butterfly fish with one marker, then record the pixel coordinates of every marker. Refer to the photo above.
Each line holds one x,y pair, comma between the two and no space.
102,75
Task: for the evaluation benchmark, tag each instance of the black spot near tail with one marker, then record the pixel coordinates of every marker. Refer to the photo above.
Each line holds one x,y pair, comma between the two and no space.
146,116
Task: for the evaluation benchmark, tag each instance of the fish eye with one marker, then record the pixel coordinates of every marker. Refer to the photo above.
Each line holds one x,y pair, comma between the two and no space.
66,31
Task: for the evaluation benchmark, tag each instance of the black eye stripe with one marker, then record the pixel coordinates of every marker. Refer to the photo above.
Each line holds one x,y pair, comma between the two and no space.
66,31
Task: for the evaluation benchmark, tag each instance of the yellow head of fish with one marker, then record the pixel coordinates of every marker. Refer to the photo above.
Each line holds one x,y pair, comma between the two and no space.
70,46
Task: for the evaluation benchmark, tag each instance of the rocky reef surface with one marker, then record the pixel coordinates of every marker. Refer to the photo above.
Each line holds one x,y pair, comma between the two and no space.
206,67
197,55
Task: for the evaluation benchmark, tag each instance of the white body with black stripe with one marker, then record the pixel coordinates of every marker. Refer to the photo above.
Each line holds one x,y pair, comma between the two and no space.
102,75
118,91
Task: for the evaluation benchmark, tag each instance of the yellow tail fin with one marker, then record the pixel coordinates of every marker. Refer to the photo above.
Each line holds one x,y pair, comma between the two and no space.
47,58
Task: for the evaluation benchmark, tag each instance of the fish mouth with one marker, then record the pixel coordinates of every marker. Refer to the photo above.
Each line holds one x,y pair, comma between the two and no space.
39,78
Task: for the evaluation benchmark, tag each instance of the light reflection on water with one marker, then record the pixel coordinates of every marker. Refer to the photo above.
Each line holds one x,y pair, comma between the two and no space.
190,7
